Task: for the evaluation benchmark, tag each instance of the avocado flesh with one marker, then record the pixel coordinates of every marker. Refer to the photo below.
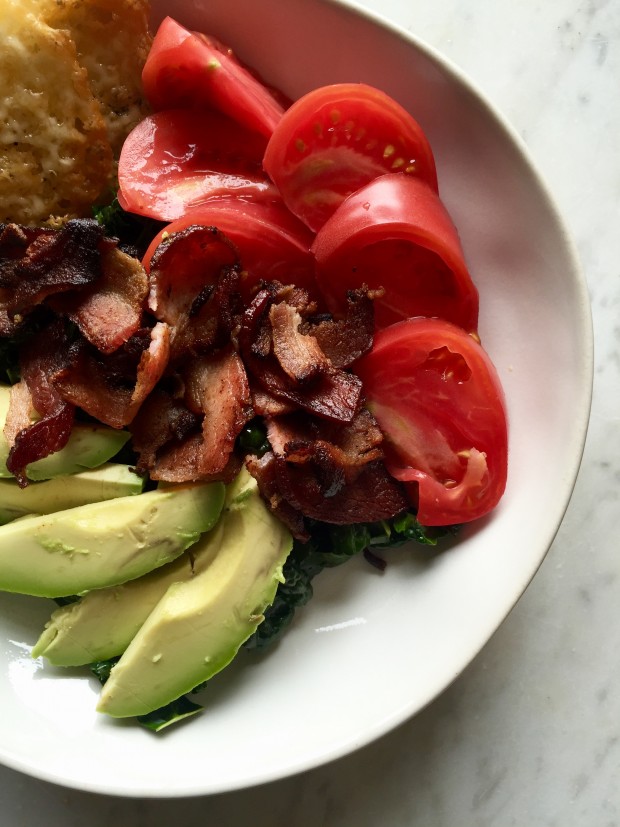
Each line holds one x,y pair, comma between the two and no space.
197,628
107,482
88,447
104,544
102,624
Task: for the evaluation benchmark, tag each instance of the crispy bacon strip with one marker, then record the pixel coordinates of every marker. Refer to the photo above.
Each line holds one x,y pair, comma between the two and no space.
372,496
50,262
348,448
345,340
265,471
299,355
109,311
335,394
183,266
194,438
40,358
160,421
217,387
112,388
211,320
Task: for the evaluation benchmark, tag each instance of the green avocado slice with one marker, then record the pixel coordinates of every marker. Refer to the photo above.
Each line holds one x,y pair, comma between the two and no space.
198,626
102,624
108,481
88,447
103,544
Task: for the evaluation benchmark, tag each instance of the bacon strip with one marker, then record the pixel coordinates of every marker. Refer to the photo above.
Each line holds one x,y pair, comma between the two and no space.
112,388
50,262
345,340
161,420
299,355
41,357
109,311
216,387
182,266
334,394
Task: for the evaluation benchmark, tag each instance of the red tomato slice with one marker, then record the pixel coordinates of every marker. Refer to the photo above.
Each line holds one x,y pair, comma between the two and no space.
178,159
273,245
438,399
187,69
336,139
395,233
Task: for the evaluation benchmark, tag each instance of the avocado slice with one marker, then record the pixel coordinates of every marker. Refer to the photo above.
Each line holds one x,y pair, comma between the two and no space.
198,626
102,624
103,544
104,483
88,447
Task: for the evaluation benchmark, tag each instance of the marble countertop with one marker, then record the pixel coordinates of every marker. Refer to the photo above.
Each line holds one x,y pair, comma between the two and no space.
530,733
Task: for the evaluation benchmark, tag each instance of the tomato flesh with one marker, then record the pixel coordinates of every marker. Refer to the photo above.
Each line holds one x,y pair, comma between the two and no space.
337,138
177,159
273,245
395,233
438,400
188,69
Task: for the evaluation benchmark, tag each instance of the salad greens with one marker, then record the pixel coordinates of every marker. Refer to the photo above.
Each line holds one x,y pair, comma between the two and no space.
134,232
329,546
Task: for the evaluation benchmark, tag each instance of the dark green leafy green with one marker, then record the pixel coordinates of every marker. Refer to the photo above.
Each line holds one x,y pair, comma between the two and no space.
172,713
134,231
253,438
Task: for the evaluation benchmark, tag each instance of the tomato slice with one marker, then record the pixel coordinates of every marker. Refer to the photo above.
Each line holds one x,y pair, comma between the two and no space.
273,245
337,138
177,159
395,233
188,69
437,397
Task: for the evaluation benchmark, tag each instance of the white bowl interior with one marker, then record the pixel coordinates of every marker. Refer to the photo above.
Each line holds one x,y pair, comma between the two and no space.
371,649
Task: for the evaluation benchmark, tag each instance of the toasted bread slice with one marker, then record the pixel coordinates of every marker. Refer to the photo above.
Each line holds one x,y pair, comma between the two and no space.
55,157
112,40
70,91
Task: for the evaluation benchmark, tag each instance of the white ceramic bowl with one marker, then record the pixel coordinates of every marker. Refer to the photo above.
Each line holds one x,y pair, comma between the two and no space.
370,650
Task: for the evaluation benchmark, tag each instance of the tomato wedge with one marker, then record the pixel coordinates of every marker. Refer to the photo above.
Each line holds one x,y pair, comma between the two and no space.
438,399
337,138
395,233
188,69
273,245
177,159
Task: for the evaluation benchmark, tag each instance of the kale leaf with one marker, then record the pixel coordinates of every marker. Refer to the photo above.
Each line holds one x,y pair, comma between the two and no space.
134,232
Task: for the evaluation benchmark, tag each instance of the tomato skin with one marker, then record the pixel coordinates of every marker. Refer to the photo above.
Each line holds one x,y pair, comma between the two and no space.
438,400
273,245
177,159
188,69
395,233
335,140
